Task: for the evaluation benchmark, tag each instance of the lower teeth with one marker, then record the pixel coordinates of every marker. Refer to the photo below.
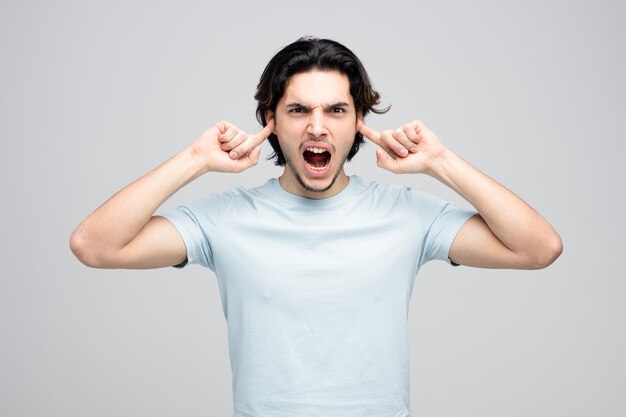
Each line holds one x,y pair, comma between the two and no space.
316,168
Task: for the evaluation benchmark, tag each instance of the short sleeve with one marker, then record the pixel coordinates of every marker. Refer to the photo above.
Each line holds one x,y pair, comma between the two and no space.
188,220
442,221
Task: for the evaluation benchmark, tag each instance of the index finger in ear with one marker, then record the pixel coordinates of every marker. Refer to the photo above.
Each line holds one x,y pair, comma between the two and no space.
370,133
252,142
265,132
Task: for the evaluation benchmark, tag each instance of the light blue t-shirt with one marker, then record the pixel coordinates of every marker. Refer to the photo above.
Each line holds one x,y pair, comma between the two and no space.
316,292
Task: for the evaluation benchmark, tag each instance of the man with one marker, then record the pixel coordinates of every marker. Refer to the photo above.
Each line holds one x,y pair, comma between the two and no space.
316,268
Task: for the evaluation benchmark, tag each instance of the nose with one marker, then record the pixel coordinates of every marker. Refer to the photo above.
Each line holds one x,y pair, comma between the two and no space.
317,126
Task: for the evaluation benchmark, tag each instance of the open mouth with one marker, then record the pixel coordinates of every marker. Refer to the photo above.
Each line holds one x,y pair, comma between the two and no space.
316,158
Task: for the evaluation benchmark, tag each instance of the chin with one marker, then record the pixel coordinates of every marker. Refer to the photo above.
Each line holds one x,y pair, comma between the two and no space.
317,184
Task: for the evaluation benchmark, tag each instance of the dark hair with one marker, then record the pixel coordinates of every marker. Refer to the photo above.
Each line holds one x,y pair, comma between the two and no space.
304,55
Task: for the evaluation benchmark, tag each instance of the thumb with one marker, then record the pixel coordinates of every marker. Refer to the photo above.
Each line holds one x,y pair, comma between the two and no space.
382,159
254,155
249,160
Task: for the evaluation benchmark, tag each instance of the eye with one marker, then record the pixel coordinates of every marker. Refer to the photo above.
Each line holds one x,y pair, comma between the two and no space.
296,110
338,110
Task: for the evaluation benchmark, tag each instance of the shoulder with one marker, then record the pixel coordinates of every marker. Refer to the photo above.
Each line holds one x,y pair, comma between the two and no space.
363,186
393,192
399,198
235,198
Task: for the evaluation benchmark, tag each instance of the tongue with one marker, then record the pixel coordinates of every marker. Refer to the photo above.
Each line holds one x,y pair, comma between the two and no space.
317,160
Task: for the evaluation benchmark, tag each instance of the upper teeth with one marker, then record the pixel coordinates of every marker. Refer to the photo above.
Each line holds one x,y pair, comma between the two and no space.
316,150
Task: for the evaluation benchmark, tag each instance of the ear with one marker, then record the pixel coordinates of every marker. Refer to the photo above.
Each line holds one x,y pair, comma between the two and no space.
269,115
359,120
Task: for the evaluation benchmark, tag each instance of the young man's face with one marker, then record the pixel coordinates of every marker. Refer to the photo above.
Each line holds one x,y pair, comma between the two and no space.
315,125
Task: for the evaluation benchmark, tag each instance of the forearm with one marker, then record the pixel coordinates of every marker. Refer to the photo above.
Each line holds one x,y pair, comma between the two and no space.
520,228
121,217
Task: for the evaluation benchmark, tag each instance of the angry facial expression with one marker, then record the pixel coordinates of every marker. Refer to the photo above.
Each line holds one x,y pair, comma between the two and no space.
315,126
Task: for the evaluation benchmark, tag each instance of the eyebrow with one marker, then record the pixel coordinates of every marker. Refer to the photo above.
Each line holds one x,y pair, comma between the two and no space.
325,107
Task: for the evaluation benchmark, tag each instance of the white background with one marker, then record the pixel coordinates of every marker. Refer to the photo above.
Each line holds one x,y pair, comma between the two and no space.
94,94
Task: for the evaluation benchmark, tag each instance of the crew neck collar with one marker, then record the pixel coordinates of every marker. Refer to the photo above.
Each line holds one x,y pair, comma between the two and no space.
314,202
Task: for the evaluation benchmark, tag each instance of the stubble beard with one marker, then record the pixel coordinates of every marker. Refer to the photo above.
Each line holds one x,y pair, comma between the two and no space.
307,187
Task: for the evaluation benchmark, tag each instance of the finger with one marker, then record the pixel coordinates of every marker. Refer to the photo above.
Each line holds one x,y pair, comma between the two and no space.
386,148
266,131
409,131
253,156
248,161
223,126
243,149
401,137
391,143
370,133
235,141
253,141
228,134
418,126
385,161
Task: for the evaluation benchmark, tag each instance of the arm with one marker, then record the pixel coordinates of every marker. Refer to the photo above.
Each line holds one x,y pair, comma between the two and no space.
507,232
124,233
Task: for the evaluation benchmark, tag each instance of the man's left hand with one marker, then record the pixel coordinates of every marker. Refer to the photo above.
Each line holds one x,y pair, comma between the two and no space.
411,148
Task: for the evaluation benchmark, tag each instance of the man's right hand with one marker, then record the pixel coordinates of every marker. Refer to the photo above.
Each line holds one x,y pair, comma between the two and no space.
125,233
226,148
